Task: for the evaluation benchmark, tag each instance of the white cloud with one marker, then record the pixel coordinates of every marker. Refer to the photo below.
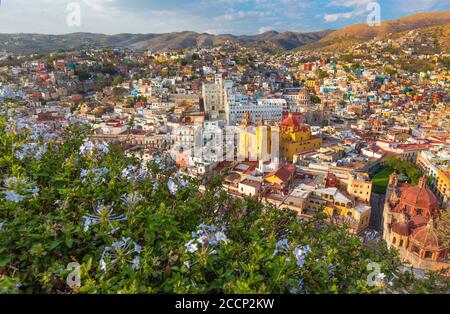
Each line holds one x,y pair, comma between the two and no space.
264,29
337,16
359,8
349,3
99,5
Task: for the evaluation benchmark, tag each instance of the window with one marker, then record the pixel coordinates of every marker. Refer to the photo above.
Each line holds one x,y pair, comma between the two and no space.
394,240
415,249
401,243
428,254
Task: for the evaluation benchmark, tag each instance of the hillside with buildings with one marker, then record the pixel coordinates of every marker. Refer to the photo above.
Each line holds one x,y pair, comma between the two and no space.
344,38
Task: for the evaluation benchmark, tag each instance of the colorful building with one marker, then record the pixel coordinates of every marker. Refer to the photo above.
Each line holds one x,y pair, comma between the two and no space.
255,141
296,138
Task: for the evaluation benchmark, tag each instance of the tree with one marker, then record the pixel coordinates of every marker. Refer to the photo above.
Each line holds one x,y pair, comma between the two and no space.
195,56
321,74
119,91
118,80
315,99
391,71
404,167
82,74
442,228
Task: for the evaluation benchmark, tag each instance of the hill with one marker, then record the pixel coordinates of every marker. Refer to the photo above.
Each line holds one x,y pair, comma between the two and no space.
270,41
38,43
350,35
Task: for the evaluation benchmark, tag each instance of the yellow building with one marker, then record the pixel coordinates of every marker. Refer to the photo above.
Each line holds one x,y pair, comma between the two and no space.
360,186
296,138
338,206
255,142
310,83
443,185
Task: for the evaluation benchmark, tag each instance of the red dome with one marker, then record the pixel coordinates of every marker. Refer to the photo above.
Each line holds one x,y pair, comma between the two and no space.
426,238
419,197
290,121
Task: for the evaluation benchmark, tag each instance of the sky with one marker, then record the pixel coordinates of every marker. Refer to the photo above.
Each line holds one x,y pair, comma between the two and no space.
211,16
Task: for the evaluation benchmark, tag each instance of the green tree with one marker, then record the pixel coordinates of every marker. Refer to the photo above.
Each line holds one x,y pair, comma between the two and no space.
82,74
119,91
442,228
315,99
118,80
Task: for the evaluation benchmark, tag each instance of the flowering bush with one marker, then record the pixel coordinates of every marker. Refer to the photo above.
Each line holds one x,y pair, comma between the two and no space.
137,228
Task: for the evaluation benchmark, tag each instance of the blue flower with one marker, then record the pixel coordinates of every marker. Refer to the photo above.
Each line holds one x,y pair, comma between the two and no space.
136,263
206,236
191,246
103,214
87,147
41,151
173,188
134,174
221,237
103,148
17,188
282,246
124,250
131,200
12,196
31,150
97,175
35,191
88,222
300,254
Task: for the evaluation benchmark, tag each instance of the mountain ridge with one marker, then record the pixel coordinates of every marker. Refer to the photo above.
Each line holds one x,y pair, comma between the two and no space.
28,43
357,33
328,40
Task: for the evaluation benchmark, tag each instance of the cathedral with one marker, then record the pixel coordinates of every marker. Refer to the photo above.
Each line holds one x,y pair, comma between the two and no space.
409,212
296,138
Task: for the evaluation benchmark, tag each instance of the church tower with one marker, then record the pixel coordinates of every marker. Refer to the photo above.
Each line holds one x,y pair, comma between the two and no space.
389,202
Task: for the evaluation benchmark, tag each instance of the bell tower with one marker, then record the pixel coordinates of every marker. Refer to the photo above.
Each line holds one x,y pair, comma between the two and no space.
387,215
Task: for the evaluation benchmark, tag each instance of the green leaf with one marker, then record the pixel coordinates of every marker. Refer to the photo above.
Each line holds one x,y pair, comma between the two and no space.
5,261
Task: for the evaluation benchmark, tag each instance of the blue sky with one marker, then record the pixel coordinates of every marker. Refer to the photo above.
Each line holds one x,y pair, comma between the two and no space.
212,16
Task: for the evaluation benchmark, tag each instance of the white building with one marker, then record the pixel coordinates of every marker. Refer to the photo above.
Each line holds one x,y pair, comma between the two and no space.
214,97
268,109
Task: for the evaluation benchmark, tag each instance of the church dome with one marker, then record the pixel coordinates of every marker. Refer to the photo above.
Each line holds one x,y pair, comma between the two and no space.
290,121
420,197
426,238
